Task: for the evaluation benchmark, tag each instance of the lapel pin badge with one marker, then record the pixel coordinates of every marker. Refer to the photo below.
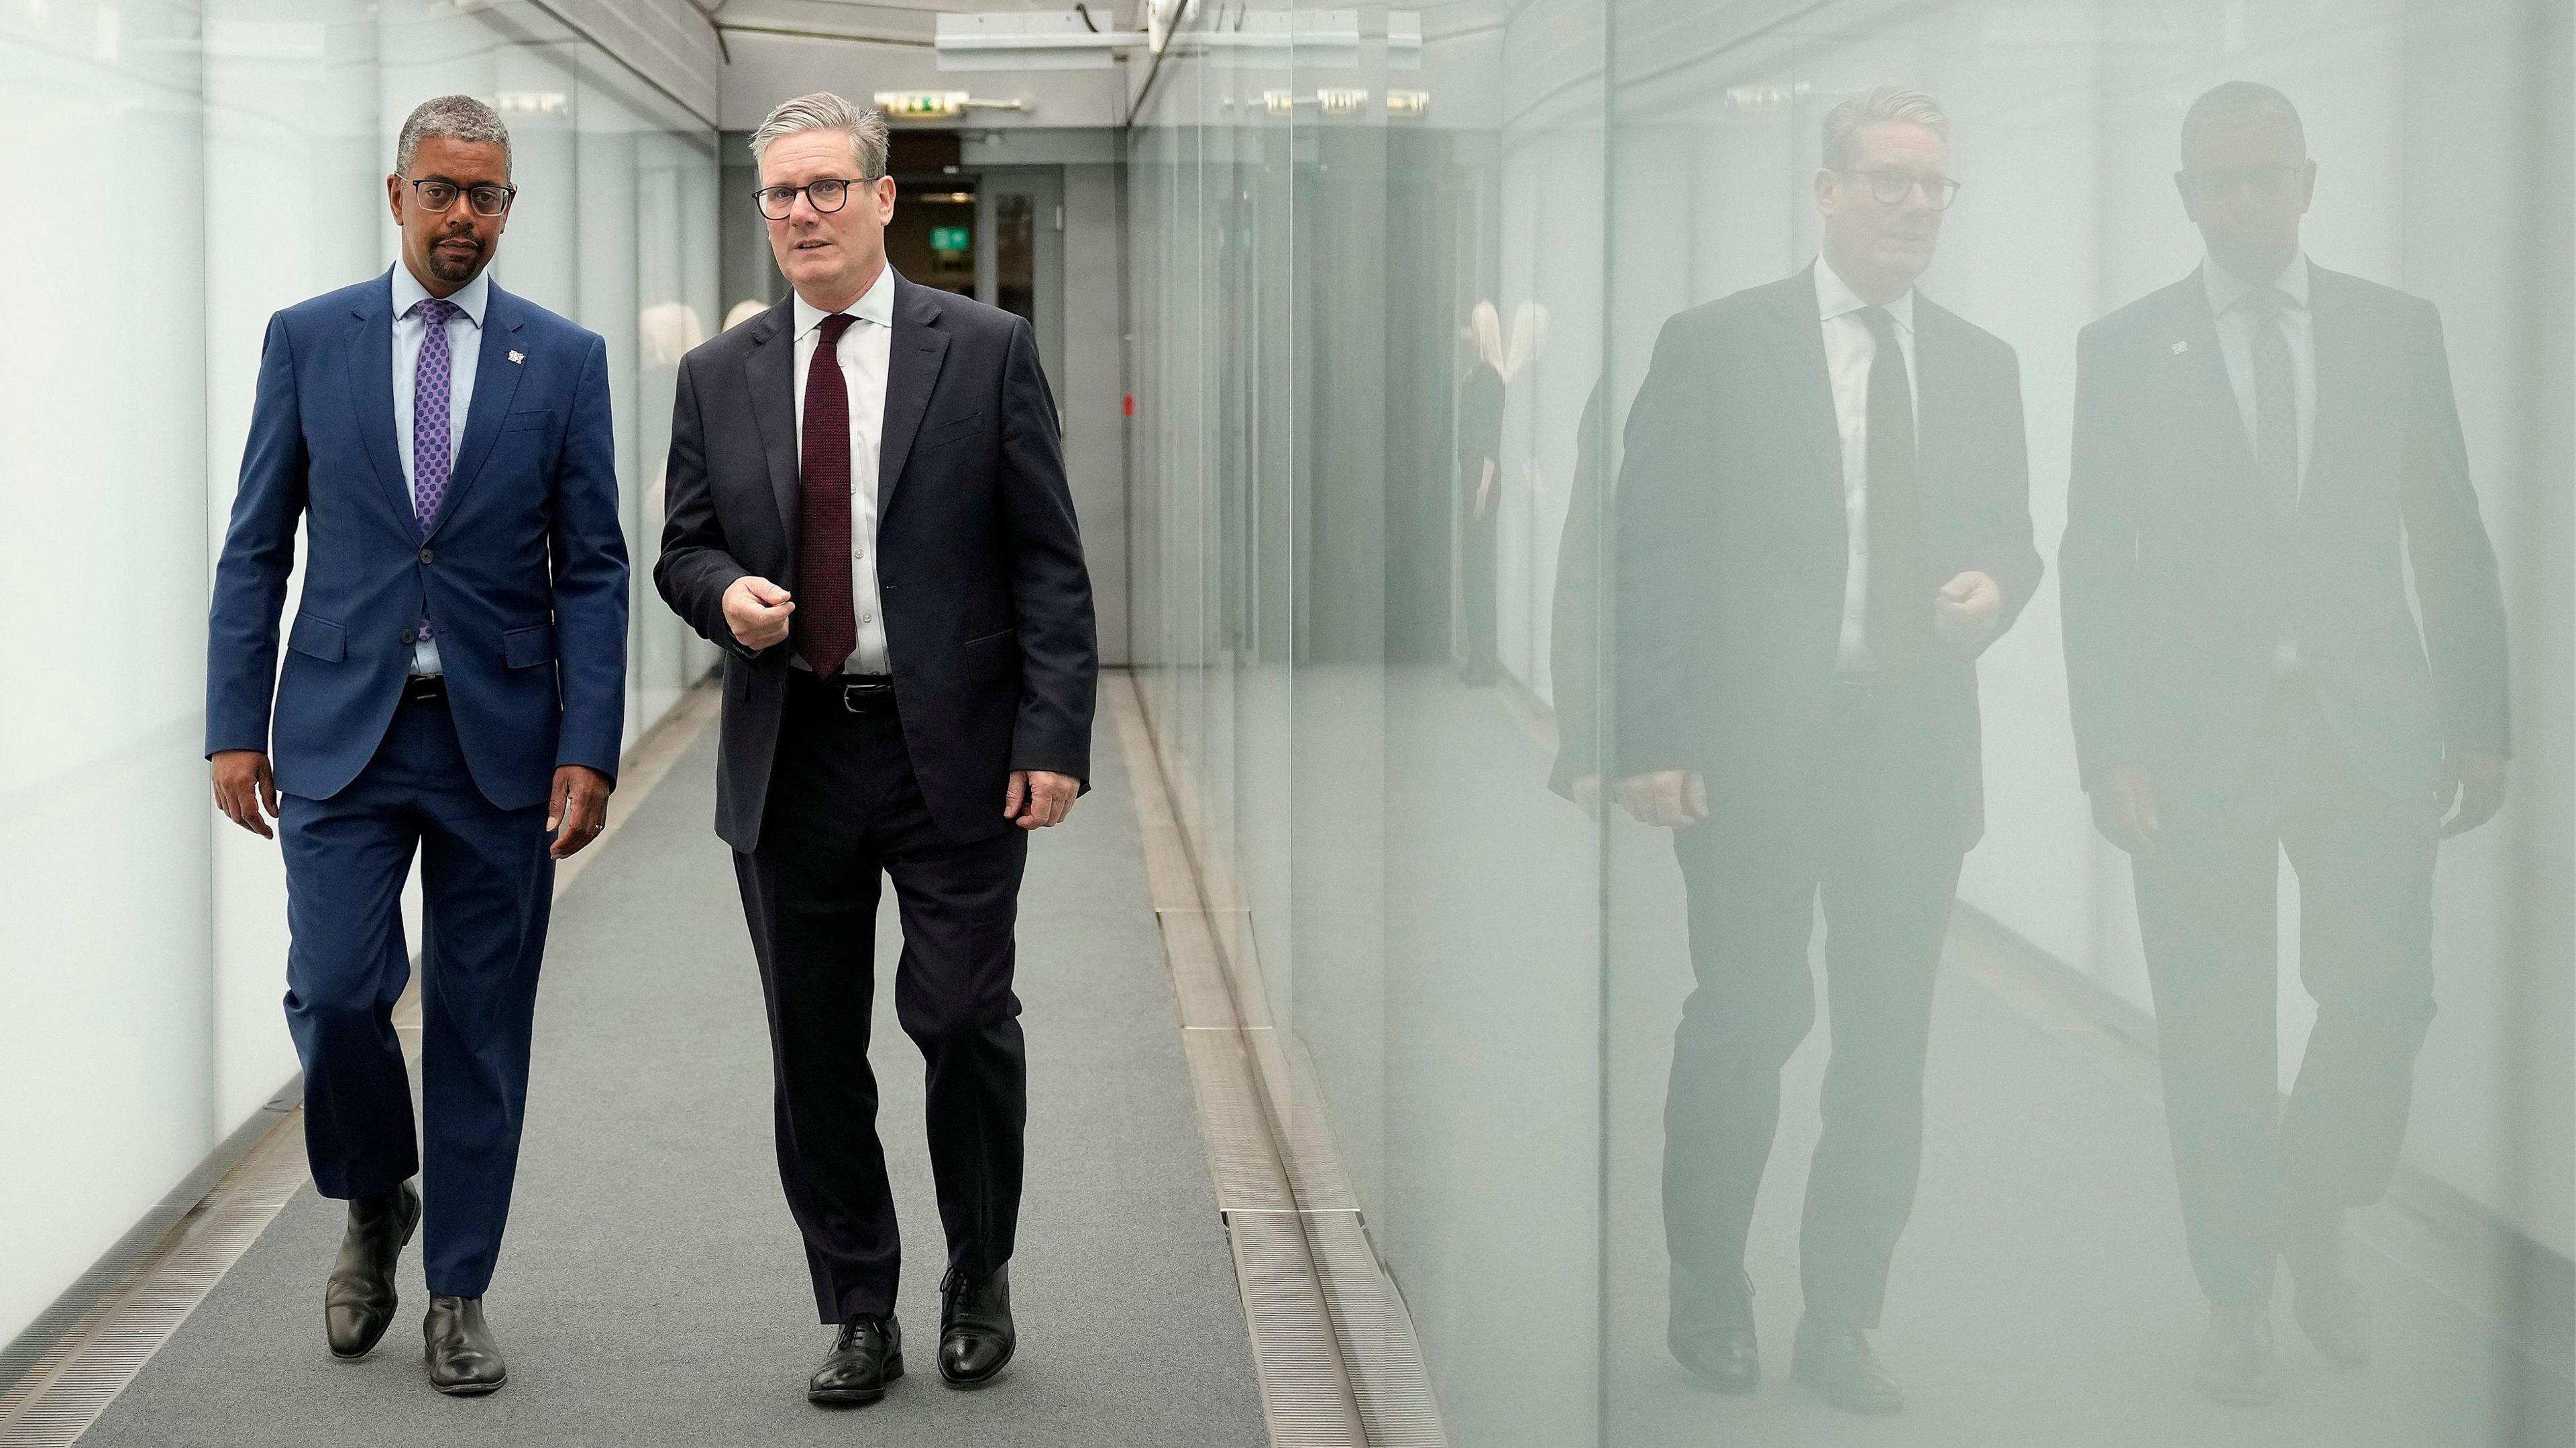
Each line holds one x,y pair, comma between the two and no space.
2178,347
522,356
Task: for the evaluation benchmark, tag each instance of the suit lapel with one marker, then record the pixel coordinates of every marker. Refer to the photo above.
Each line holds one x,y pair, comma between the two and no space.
2347,412
1800,343
2207,396
371,392
770,372
912,371
496,385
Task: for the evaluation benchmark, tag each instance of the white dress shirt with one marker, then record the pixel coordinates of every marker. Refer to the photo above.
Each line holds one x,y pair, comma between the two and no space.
1850,348
464,350
2236,320
864,351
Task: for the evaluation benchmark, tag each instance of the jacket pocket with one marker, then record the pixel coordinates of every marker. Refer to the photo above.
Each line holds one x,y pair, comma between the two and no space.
528,420
318,638
947,430
990,657
523,648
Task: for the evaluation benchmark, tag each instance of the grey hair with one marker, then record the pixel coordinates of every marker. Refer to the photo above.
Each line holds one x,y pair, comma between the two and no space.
1845,123
824,111
2236,102
457,118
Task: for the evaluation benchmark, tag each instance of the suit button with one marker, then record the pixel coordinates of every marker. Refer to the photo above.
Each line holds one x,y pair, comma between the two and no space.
407,636
428,557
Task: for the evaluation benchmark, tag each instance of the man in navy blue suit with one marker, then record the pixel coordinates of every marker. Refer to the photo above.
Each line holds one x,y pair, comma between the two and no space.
454,683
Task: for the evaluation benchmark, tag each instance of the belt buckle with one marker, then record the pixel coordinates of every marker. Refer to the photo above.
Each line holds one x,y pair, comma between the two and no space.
859,698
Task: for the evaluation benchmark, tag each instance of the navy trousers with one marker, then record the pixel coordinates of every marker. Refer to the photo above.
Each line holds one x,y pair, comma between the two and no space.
487,884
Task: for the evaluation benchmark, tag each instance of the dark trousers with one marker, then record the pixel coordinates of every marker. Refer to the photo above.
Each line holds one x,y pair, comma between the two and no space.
1881,845
843,806
487,884
2208,914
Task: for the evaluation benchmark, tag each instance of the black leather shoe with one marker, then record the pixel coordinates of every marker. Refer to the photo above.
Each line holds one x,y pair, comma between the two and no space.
463,1359
1834,1358
865,1357
358,1298
1711,1330
975,1331
2236,1366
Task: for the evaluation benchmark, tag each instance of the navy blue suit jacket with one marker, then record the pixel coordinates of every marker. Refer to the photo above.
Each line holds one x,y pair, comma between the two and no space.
522,574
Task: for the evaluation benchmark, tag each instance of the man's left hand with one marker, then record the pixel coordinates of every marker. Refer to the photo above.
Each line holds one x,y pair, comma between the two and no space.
1966,609
579,810
1039,798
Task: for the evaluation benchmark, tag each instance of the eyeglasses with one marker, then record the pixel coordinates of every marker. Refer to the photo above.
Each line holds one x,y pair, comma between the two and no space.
1890,185
829,194
437,196
2261,180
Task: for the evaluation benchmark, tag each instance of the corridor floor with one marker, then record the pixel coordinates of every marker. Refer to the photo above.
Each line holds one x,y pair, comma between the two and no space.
652,1291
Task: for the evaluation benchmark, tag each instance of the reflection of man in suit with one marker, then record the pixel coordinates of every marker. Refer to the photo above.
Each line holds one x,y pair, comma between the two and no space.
2251,445
920,703
455,687
1822,520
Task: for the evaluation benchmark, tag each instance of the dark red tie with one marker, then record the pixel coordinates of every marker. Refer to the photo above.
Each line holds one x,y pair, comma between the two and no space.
825,633
1898,625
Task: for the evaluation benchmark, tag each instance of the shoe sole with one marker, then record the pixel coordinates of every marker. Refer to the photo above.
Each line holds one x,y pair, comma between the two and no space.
471,1390
855,1397
349,1357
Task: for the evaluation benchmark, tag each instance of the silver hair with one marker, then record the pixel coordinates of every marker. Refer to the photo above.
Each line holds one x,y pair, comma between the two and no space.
1845,123
824,111
457,118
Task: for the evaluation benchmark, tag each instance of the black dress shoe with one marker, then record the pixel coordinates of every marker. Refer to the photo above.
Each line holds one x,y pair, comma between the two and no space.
975,1331
1711,1330
358,1298
463,1359
865,1357
1834,1358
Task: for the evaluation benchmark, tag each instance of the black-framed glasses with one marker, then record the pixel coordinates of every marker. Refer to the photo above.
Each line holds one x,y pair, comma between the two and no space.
2261,180
436,196
828,195
1890,185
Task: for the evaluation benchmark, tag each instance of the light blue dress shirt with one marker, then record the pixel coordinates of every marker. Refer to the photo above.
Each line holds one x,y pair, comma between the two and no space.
464,352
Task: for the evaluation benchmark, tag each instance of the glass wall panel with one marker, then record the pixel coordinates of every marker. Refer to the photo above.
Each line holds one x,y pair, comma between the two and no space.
1495,439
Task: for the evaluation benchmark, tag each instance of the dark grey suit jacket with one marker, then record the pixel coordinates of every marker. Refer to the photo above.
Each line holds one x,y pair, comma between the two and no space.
2177,576
1731,548
987,605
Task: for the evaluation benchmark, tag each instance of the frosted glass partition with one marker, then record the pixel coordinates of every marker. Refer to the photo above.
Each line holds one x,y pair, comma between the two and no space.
1397,581
141,938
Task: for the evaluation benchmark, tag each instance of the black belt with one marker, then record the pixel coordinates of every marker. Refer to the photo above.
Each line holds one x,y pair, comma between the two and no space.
850,693
425,689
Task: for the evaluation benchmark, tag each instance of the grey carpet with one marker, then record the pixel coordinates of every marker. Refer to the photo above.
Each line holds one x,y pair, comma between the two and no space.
652,1290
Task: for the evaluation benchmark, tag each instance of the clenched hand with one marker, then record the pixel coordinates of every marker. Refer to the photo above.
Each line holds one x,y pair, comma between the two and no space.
757,611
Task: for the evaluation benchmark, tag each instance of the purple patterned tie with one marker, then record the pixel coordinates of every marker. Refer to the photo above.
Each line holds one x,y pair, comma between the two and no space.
429,415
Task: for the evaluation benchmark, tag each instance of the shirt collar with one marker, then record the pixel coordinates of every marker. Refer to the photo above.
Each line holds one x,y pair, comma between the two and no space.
2226,288
1835,298
876,304
470,298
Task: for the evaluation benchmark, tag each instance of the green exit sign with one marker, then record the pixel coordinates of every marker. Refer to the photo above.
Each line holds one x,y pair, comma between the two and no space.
950,238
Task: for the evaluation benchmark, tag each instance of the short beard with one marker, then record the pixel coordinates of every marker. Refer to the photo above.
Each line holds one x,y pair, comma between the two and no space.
448,270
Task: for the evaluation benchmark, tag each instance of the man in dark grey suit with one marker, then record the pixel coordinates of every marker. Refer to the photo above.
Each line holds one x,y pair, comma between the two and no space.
2252,444
868,511
1822,521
